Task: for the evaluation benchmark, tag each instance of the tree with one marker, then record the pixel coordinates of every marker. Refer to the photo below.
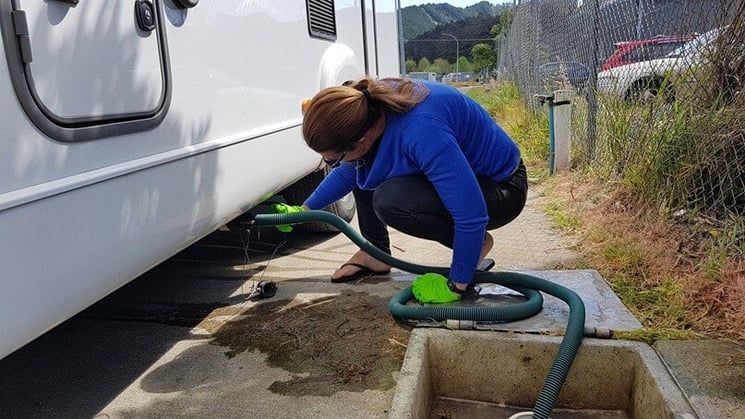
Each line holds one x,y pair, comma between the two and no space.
410,66
484,58
443,65
423,64
464,65
500,29
505,21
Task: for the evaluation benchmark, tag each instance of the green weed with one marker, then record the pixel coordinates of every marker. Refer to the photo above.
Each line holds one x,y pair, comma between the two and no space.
656,206
651,335
560,217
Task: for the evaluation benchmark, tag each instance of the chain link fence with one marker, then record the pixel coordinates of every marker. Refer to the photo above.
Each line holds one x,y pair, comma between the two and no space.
659,102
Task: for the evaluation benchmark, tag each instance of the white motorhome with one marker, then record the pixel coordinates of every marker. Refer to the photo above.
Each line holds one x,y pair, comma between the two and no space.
133,128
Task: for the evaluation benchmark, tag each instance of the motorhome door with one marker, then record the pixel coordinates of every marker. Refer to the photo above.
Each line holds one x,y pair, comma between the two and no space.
88,69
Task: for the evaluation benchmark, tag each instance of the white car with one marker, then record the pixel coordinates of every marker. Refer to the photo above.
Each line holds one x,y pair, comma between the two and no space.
643,80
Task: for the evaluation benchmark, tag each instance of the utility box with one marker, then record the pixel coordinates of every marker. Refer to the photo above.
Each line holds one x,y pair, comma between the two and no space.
562,128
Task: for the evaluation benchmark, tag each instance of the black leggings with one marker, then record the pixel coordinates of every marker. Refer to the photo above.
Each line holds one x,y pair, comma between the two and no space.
411,205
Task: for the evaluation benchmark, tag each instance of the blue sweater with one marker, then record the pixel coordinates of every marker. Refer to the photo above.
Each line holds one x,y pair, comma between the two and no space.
449,138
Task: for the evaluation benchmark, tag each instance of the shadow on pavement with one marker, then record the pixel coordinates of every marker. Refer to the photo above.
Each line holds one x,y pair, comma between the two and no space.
80,366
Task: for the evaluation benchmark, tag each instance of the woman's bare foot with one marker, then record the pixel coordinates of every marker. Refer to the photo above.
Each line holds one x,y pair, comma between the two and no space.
352,266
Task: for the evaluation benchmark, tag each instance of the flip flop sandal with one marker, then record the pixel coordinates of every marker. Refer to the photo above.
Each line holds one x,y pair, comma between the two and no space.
486,265
364,272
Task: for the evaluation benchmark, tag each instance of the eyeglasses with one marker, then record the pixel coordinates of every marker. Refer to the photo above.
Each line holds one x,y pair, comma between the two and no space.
337,162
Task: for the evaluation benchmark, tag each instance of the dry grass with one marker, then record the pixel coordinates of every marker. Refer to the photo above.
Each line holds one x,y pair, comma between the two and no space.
668,274
527,127
682,276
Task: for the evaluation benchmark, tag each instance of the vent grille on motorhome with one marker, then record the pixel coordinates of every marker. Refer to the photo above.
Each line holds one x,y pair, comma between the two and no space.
321,19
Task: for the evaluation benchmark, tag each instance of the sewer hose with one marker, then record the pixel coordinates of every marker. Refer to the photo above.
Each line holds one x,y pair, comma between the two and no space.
527,285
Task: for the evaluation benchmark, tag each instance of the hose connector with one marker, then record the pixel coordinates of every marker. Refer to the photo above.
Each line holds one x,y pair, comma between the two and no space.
460,324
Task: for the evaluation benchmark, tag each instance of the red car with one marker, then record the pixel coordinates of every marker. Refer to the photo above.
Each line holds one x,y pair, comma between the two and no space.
628,52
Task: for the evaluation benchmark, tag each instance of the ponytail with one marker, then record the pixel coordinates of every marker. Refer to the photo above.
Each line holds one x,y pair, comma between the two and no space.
340,115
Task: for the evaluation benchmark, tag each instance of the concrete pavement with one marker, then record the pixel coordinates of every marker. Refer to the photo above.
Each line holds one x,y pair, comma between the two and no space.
150,349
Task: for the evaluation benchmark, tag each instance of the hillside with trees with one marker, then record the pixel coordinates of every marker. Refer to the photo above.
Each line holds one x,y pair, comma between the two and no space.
469,32
417,20
438,26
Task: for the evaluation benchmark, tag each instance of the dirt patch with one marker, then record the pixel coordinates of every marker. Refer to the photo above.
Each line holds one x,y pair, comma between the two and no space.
347,342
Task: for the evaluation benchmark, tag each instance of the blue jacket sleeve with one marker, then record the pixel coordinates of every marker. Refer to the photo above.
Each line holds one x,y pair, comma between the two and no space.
338,183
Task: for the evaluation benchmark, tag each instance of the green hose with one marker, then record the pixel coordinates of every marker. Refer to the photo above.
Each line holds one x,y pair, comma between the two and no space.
525,284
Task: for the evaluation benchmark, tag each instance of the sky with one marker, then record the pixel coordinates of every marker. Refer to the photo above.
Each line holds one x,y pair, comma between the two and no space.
456,3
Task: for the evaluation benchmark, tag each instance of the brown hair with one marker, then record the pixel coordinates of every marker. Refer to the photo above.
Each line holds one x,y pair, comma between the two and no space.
340,115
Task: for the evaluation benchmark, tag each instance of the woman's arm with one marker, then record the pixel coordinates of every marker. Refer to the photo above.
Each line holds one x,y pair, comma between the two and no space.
337,184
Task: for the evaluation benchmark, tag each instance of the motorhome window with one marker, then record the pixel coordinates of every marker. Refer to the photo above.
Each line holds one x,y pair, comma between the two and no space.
322,19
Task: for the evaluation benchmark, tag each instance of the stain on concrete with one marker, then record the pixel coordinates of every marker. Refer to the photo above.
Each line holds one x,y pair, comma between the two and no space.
345,342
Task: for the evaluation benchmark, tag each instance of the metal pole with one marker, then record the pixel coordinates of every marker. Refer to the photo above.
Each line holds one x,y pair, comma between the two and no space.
401,41
457,53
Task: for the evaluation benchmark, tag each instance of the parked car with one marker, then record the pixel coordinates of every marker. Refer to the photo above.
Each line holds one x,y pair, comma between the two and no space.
458,77
423,75
629,52
555,75
643,80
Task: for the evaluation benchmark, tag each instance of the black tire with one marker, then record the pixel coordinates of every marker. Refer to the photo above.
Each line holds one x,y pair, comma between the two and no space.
299,191
643,91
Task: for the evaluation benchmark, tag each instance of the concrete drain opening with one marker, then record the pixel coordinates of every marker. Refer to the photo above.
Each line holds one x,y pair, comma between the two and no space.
471,374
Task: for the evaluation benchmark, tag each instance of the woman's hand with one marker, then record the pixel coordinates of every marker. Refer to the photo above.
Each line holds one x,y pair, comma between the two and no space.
286,209
433,288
